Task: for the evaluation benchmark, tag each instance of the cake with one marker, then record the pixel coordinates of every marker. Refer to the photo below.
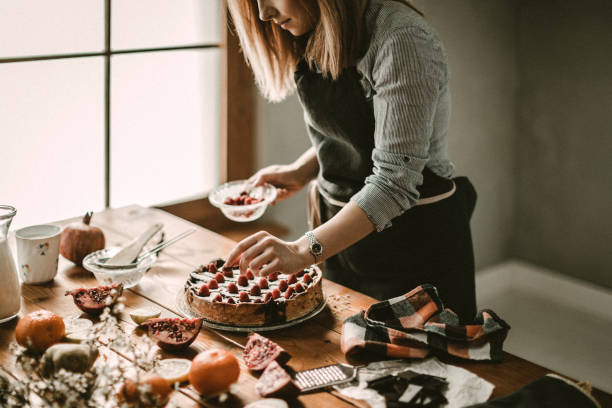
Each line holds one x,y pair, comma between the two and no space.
222,295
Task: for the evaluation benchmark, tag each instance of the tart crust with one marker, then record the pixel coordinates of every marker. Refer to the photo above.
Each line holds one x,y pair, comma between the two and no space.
253,312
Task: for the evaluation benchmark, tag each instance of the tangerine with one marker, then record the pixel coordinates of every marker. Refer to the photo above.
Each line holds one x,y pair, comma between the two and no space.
39,330
151,390
213,371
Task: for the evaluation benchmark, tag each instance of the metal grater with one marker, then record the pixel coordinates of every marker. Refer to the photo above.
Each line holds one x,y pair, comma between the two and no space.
322,377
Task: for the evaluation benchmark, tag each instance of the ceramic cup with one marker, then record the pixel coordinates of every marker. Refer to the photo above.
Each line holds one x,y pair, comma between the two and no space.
38,253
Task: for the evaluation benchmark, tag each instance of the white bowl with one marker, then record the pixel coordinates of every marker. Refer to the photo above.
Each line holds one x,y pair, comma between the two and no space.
242,213
129,276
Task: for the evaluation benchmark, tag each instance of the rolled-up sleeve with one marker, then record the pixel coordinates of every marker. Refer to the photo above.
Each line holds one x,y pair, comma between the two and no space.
408,72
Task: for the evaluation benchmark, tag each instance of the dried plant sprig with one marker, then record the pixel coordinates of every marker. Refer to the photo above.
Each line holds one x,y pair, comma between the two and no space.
96,387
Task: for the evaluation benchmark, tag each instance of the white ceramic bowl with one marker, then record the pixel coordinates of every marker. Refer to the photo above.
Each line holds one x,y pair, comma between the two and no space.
242,213
129,276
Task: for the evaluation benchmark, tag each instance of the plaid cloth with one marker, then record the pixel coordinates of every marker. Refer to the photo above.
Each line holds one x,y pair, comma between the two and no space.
412,325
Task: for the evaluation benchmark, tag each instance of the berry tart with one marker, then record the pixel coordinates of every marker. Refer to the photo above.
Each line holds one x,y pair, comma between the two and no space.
225,297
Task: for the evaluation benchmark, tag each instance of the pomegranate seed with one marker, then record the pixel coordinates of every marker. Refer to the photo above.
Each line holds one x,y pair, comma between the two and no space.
292,279
228,272
255,290
249,274
232,288
244,297
307,279
212,284
273,276
219,277
218,298
212,267
268,297
275,293
263,283
204,290
299,288
231,301
289,292
282,285
243,281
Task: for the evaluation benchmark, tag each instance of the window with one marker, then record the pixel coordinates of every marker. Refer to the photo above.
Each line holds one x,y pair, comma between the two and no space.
113,102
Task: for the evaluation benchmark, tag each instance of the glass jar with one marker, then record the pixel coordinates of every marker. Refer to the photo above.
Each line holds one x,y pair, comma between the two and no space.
10,301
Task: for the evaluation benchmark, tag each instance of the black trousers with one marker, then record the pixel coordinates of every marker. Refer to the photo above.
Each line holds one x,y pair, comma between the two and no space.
430,243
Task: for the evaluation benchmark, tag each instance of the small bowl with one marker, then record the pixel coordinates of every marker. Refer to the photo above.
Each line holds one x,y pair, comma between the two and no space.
130,275
242,213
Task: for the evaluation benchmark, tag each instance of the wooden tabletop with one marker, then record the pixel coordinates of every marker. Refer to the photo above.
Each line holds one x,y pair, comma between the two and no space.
313,343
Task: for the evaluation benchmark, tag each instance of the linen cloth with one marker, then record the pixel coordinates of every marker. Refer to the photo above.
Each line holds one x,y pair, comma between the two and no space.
412,325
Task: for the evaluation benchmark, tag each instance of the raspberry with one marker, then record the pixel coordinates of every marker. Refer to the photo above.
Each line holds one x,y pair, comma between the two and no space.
231,301
244,297
212,284
289,292
292,279
204,290
282,285
300,273
232,288
307,279
243,281
249,274
255,290
228,272
263,283
299,288
273,276
268,297
275,293
218,298
212,267
219,277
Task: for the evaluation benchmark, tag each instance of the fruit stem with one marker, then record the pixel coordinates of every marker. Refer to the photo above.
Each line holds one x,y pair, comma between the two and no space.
87,218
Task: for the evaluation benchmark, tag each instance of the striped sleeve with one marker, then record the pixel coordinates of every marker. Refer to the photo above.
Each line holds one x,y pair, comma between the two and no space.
408,72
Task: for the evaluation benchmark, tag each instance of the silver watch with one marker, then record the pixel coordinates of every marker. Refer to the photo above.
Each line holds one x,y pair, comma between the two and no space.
316,248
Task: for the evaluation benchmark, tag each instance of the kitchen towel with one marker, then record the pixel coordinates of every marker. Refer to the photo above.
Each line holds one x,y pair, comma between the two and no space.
411,325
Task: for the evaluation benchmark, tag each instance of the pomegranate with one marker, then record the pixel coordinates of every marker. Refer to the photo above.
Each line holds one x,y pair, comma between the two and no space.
80,239
173,334
276,382
261,351
94,300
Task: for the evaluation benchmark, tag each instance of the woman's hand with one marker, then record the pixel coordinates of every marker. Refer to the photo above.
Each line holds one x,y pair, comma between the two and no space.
264,254
287,179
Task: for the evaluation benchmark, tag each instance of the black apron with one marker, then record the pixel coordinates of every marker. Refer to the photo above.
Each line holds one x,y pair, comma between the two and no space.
429,243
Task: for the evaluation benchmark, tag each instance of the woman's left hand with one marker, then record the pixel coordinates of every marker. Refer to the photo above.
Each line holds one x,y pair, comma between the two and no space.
264,254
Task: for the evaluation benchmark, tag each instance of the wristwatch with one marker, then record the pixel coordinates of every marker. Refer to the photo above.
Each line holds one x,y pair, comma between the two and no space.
316,248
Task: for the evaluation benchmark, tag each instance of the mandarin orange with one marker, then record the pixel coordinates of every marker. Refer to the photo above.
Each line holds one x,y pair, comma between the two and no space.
213,371
39,330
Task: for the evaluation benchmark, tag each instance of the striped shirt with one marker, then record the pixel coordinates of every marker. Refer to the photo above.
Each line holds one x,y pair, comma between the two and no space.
404,74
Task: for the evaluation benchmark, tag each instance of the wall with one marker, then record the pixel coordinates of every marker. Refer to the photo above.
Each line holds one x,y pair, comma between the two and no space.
479,37
564,149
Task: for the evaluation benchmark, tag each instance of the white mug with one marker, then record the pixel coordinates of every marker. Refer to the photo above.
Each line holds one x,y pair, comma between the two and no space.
38,253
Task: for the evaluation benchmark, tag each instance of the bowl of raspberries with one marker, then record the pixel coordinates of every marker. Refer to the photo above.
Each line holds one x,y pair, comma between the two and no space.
240,202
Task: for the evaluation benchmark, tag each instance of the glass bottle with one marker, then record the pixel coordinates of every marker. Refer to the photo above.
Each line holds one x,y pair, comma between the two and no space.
10,300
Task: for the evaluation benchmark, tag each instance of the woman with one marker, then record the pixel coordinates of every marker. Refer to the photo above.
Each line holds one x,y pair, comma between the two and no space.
372,78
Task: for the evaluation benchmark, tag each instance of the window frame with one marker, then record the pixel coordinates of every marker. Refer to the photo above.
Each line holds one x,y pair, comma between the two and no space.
236,102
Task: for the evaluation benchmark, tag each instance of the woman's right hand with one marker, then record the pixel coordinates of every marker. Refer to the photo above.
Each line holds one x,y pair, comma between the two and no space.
288,179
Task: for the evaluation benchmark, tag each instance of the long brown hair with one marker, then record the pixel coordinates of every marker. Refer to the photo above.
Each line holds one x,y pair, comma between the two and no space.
334,44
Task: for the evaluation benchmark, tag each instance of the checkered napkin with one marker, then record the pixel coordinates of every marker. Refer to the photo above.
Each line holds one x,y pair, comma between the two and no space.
412,325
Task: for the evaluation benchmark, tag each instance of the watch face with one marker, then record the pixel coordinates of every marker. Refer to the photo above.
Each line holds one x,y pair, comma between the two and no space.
316,249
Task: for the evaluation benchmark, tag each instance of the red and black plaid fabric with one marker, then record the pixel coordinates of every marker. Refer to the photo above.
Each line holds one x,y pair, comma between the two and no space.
412,325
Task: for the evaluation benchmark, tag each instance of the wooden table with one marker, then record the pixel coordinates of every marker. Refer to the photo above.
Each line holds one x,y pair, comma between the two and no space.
312,343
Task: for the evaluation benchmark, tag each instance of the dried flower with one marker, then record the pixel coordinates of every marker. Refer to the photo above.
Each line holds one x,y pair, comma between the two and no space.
96,387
